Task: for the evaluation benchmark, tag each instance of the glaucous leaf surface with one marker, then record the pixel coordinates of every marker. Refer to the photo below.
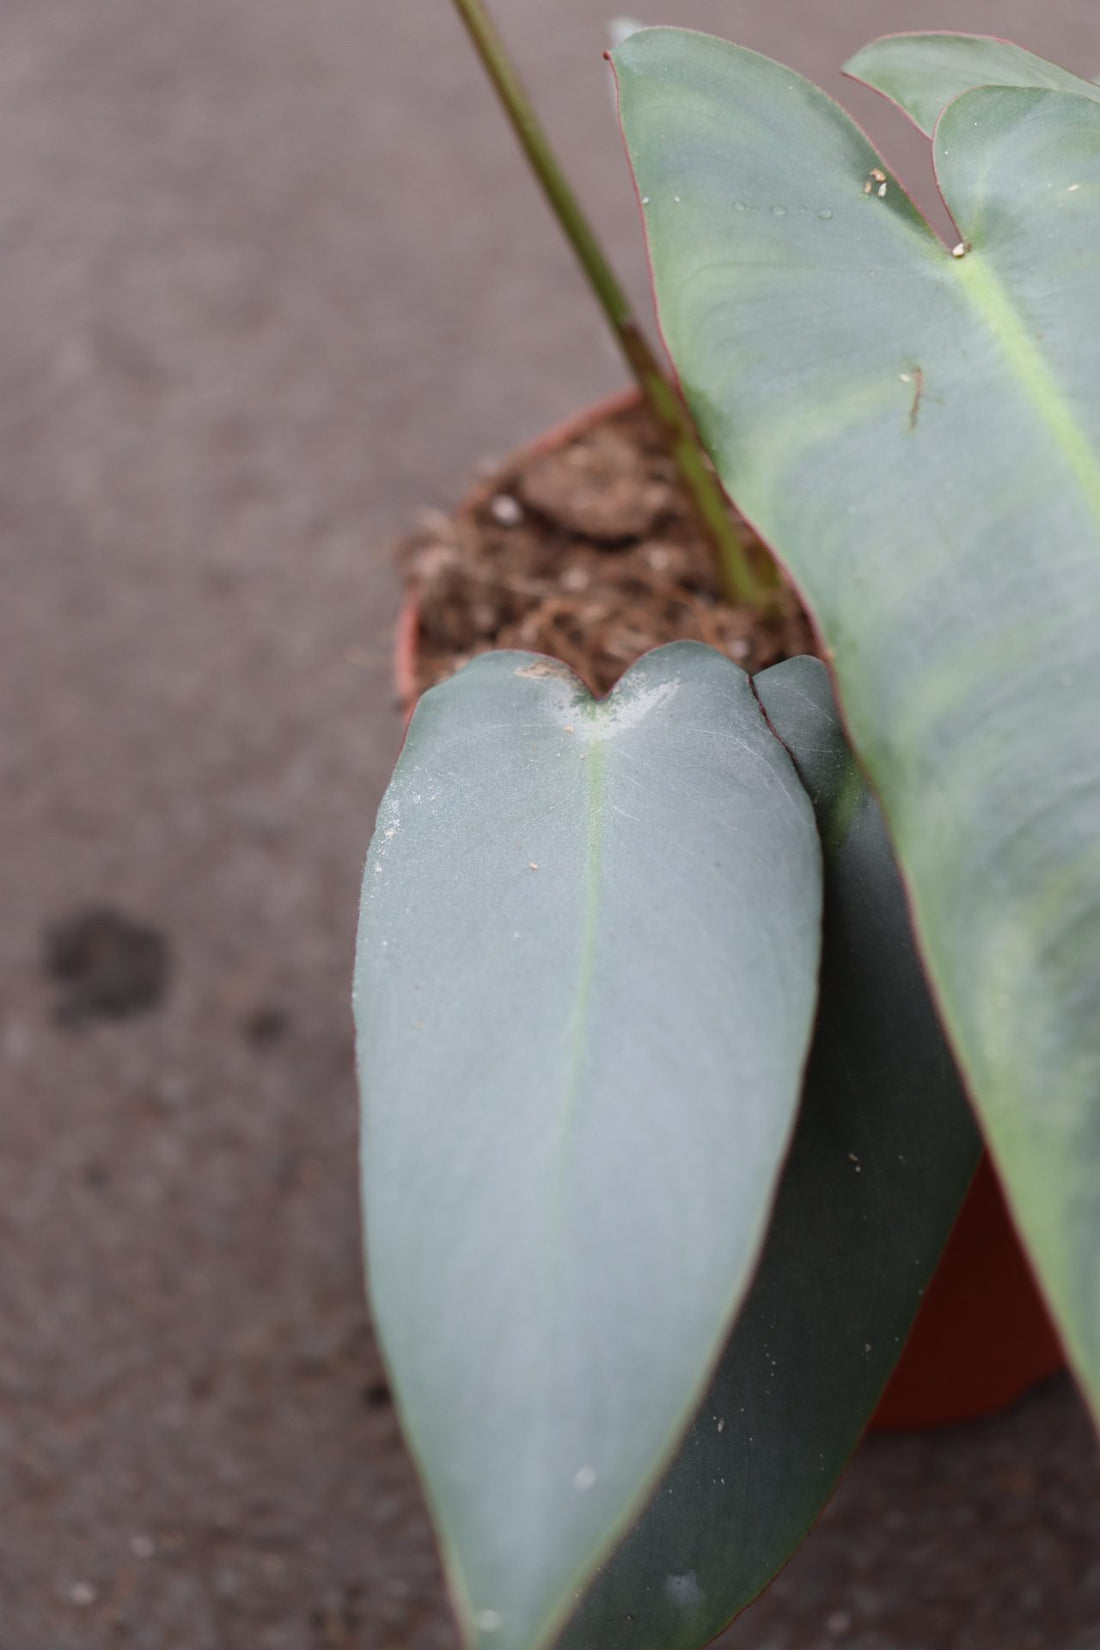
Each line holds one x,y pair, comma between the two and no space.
882,1154
922,73
584,992
917,435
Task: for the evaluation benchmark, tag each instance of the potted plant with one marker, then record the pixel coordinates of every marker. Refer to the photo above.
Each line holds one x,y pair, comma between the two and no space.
662,1137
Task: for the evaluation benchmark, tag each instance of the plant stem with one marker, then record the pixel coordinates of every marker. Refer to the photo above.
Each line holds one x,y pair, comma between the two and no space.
743,585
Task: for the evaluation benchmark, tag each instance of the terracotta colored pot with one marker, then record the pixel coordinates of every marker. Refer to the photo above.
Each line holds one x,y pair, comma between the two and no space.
982,1337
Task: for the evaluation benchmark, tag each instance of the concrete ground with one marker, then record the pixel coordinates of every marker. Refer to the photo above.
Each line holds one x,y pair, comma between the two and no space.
272,280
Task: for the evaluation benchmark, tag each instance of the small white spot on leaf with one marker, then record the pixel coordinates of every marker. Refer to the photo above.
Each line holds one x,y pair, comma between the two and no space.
684,1590
545,667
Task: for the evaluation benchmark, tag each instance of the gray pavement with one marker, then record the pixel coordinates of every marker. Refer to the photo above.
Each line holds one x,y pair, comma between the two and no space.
272,279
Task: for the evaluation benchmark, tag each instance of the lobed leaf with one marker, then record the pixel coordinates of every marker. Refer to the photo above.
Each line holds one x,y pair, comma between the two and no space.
922,73
918,435
584,991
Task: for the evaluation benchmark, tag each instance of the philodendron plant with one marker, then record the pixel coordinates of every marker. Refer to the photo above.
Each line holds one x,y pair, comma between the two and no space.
662,1135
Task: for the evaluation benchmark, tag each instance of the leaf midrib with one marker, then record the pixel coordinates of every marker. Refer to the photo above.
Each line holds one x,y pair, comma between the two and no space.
989,297
595,762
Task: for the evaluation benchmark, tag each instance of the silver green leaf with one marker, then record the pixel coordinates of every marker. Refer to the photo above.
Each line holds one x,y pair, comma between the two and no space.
922,73
584,992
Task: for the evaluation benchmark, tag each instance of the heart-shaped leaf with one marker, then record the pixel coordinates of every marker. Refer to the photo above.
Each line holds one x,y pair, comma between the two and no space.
584,992
918,434
882,1154
922,73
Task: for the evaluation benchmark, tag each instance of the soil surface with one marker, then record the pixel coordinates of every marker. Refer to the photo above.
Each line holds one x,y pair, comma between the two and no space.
274,278
589,551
